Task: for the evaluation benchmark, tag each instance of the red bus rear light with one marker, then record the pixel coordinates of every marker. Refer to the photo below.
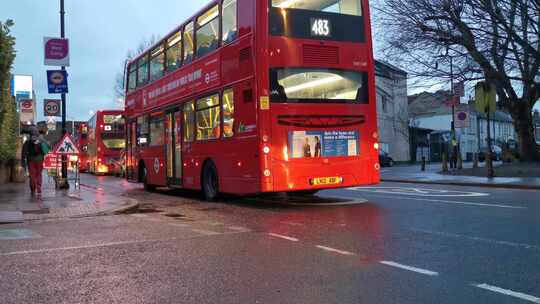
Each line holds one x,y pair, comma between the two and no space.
266,149
376,146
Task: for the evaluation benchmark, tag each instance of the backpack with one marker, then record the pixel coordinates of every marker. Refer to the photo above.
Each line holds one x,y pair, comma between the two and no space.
35,149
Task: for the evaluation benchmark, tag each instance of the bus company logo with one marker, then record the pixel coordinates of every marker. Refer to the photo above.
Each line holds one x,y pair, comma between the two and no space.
156,165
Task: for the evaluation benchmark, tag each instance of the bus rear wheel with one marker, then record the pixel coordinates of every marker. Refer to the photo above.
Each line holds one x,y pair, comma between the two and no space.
209,182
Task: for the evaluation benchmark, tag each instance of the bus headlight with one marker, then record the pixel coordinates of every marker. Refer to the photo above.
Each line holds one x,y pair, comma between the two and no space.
376,146
266,149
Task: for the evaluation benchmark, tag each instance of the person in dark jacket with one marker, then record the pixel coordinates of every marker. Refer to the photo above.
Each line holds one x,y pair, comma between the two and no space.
33,153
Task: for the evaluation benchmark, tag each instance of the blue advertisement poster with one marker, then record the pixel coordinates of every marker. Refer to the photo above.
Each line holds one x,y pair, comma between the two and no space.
323,143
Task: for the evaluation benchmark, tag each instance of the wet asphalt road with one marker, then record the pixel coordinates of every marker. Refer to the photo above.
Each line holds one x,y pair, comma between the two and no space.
400,243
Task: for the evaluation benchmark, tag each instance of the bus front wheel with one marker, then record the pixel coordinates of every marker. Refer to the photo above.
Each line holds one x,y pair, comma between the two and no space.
209,182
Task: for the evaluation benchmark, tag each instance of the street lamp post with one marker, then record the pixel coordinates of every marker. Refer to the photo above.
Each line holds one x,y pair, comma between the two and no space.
64,183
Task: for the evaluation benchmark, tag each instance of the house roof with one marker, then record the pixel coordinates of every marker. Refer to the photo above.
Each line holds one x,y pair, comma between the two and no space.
385,69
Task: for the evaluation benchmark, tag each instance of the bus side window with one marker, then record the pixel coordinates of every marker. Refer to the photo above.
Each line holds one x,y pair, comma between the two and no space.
188,43
157,131
142,131
208,31
228,112
189,121
229,22
208,118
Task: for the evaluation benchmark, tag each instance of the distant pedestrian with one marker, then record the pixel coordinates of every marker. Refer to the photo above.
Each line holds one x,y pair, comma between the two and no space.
33,153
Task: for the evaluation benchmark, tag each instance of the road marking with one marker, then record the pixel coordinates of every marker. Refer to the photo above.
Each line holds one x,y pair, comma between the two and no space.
239,229
418,191
454,202
138,215
84,247
410,268
212,223
330,249
205,232
480,239
289,238
508,292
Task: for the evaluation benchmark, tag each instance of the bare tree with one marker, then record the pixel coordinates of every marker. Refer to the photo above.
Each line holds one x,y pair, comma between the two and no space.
498,40
119,82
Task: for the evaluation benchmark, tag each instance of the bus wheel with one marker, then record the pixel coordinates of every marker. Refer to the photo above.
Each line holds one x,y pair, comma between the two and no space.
147,186
210,186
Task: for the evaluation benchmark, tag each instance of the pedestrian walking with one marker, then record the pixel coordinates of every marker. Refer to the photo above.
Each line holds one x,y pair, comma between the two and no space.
33,153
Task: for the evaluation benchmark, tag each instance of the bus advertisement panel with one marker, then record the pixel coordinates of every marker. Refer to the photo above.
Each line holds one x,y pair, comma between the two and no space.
276,96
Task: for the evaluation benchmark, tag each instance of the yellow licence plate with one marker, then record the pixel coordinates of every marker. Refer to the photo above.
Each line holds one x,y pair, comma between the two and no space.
326,180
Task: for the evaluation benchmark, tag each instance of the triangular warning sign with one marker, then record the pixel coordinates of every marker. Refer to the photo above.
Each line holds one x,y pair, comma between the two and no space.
66,146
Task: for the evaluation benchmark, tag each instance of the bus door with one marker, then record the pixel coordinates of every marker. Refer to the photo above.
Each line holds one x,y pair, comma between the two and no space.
130,149
174,147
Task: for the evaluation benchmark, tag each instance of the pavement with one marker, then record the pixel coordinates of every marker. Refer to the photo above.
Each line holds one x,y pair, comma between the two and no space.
403,243
413,174
17,205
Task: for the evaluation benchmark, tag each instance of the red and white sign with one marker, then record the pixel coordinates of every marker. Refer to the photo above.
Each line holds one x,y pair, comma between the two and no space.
66,146
27,106
51,107
52,161
56,51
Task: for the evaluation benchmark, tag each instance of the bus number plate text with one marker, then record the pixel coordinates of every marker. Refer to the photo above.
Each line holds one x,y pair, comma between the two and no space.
326,180
321,27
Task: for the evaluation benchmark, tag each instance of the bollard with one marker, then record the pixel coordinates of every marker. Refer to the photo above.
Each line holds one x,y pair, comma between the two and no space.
423,168
475,161
459,162
444,163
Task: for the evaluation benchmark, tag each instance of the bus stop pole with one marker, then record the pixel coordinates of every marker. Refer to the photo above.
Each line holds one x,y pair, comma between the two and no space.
64,184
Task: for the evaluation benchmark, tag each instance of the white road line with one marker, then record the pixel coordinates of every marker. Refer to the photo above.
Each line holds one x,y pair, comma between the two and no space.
239,229
508,292
205,232
410,268
479,239
138,215
452,202
289,238
330,249
212,223
84,247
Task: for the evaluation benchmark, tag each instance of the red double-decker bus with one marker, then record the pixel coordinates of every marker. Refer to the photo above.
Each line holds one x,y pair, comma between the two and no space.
252,96
81,140
106,142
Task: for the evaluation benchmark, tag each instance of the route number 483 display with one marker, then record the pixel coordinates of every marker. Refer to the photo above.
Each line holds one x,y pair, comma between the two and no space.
320,27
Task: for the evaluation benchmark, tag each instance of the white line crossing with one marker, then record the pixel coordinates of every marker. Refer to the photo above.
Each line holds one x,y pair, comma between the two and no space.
508,292
409,268
330,249
289,238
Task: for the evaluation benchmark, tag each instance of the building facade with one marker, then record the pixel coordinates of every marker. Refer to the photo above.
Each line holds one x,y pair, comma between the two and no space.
392,111
430,111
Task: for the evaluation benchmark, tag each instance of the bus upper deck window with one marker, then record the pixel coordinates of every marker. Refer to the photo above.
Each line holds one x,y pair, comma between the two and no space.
229,21
346,7
208,31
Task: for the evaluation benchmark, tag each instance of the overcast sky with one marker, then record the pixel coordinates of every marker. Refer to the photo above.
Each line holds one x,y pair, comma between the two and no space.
101,32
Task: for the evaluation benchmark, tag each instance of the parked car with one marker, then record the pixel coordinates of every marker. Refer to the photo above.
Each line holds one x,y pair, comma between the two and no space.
496,153
385,160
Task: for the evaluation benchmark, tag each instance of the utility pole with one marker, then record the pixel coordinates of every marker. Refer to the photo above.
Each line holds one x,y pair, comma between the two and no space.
64,184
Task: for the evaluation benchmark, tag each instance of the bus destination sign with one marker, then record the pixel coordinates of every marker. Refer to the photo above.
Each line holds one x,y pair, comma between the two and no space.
321,27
